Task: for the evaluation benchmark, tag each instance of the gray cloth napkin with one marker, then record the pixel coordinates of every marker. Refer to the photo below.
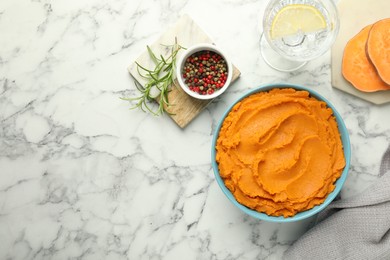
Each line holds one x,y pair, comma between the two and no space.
352,228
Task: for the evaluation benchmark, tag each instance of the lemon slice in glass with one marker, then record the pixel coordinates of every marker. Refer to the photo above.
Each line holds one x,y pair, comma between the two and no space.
297,17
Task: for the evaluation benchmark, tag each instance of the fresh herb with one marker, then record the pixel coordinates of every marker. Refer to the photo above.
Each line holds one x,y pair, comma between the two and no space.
158,80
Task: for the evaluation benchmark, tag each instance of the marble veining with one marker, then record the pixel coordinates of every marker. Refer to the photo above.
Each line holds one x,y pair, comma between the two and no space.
84,177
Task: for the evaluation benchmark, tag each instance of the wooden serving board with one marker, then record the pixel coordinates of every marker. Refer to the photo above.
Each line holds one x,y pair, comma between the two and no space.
184,107
354,15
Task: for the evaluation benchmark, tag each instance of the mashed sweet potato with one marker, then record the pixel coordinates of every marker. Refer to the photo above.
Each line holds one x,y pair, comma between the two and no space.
280,152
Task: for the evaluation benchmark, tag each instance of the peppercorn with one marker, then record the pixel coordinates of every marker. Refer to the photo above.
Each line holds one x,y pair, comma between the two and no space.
205,72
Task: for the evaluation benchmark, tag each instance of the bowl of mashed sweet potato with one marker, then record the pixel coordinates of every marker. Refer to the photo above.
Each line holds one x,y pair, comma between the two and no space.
281,153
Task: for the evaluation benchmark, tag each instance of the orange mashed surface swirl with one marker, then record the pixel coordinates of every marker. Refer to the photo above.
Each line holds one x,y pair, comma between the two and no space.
280,152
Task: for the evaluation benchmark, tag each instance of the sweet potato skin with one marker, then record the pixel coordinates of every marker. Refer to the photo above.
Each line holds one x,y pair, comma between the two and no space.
378,48
356,67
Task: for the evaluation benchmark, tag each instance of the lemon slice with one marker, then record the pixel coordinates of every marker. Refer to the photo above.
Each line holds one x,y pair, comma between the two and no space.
297,17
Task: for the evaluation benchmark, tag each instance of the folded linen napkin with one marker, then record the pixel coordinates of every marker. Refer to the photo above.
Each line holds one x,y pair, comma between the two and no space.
352,228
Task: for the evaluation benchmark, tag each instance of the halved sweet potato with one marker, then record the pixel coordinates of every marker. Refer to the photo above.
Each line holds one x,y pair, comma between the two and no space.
378,48
357,69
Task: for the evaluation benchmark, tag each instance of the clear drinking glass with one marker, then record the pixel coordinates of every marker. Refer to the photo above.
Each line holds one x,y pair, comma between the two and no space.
297,31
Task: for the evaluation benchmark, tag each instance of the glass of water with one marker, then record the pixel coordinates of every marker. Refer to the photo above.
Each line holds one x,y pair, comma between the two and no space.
297,31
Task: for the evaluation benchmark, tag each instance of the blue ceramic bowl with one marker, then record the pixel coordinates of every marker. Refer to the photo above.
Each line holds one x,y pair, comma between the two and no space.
304,214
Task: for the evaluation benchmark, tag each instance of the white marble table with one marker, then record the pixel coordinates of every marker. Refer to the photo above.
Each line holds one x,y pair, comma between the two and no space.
83,177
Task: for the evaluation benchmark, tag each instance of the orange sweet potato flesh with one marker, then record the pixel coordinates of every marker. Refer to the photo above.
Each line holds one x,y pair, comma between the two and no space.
280,152
378,48
357,68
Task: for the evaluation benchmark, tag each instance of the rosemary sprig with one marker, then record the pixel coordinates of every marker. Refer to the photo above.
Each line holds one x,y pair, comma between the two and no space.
158,79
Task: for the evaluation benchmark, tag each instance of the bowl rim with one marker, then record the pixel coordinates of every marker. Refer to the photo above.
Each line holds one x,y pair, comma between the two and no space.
339,183
196,48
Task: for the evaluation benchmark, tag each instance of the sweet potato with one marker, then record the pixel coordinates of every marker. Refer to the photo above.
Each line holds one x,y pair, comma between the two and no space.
357,69
378,48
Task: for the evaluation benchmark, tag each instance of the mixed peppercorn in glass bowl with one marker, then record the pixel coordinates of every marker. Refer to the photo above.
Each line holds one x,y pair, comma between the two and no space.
204,71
